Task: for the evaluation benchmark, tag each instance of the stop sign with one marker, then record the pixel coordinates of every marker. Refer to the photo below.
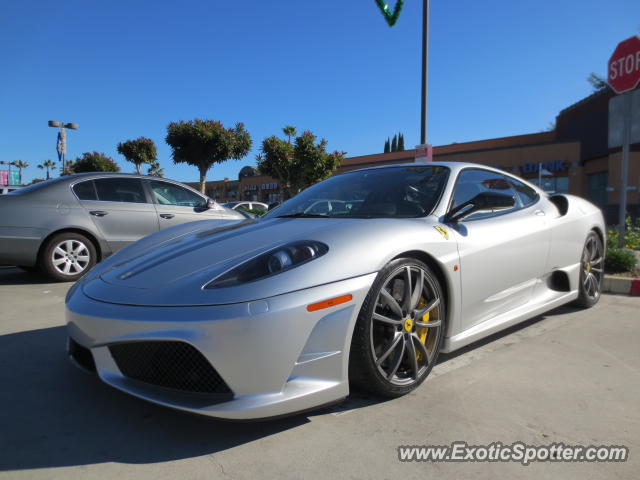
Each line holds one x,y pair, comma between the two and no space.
624,65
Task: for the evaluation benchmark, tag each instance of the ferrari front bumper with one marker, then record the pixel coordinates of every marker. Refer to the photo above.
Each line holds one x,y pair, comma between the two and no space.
271,357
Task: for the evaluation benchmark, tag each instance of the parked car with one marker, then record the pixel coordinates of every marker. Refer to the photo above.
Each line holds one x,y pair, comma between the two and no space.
246,205
65,225
284,313
7,189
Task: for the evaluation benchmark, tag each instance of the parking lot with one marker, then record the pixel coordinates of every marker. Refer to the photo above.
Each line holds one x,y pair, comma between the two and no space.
570,376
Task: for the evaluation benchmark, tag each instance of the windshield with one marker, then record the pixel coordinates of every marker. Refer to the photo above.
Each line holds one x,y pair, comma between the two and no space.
395,192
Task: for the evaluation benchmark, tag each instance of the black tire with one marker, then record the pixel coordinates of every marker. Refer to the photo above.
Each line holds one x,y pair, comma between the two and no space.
591,271
371,366
53,261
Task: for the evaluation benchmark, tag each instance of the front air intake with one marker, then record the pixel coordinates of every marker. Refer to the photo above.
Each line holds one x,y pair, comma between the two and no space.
168,364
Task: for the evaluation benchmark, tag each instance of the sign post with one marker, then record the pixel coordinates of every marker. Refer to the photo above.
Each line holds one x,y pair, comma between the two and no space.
623,76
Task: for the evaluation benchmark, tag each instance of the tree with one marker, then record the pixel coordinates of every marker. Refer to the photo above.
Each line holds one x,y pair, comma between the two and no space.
138,151
201,143
400,142
155,169
48,165
597,82
387,148
394,144
20,164
290,131
93,162
300,165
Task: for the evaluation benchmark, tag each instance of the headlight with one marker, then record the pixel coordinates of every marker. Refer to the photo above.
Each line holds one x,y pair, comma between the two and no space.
270,263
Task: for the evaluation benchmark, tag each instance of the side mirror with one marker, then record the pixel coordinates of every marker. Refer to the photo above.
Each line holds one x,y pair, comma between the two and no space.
211,204
482,201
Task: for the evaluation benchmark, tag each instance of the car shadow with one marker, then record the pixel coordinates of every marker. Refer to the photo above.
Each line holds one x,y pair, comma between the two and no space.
17,276
54,415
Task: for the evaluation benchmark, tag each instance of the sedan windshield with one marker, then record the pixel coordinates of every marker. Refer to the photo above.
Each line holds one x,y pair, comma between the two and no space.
392,192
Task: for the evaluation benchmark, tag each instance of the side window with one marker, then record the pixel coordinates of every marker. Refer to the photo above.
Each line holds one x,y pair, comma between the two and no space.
169,194
527,194
85,190
473,181
127,190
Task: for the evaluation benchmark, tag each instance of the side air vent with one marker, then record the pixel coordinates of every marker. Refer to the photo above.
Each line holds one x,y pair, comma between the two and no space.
561,203
558,281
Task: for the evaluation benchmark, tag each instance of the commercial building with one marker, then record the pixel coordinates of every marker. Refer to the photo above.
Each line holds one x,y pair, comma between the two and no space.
574,156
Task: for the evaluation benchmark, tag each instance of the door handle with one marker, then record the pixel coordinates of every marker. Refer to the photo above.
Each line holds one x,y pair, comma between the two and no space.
98,213
167,216
540,213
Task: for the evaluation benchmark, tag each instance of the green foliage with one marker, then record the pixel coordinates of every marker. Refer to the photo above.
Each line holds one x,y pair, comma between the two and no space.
631,235
155,169
299,165
48,165
400,142
255,211
138,151
597,82
290,131
618,260
93,162
387,147
202,143
394,144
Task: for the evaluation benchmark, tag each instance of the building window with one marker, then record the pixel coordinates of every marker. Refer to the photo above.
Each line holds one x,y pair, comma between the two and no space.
553,184
597,184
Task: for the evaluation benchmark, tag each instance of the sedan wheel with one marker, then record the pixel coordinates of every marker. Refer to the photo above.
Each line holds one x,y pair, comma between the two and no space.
68,256
591,271
399,331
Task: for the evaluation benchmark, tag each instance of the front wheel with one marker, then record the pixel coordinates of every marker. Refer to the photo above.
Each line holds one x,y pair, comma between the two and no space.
591,271
68,256
399,330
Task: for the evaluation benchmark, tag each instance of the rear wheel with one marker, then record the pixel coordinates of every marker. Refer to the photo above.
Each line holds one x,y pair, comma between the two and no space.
591,271
399,330
67,256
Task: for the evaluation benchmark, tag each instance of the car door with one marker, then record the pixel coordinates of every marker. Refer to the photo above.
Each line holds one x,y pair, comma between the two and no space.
502,253
119,207
176,204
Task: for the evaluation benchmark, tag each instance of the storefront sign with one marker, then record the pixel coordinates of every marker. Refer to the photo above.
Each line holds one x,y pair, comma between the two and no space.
553,166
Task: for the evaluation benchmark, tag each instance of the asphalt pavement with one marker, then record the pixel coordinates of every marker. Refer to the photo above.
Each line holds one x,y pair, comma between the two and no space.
570,376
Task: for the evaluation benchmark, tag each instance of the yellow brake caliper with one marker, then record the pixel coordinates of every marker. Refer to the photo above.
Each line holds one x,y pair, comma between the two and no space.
422,332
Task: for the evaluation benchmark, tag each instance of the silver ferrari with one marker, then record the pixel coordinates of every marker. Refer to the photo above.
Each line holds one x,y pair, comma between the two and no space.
360,280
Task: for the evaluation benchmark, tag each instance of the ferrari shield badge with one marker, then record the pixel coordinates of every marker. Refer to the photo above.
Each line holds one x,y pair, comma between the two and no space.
442,230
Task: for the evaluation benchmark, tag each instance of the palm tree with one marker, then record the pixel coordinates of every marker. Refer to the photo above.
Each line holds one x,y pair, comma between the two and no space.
289,131
155,169
48,164
20,164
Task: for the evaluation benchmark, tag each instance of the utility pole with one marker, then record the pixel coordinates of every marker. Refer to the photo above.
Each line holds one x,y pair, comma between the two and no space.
425,70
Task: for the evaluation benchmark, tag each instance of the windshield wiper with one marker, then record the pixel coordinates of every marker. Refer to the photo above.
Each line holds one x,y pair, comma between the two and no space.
303,215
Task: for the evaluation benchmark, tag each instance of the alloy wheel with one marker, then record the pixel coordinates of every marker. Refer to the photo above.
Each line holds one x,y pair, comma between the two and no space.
70,257
406,325
592,264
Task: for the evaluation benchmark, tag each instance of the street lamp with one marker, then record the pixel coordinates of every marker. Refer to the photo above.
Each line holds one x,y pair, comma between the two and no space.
61,145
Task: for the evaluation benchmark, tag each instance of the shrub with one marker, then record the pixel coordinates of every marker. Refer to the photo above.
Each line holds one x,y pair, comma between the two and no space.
618,260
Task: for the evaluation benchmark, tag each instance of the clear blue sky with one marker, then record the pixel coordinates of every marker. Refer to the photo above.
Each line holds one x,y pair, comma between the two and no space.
126,69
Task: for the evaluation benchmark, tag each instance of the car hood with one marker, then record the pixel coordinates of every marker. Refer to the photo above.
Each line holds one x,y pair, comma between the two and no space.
170,268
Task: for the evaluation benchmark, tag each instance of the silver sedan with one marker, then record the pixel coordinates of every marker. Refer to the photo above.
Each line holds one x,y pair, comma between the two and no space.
65,225
288,312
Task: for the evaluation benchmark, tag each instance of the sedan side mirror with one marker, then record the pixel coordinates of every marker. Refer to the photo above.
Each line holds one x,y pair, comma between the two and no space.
211,204
482,201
